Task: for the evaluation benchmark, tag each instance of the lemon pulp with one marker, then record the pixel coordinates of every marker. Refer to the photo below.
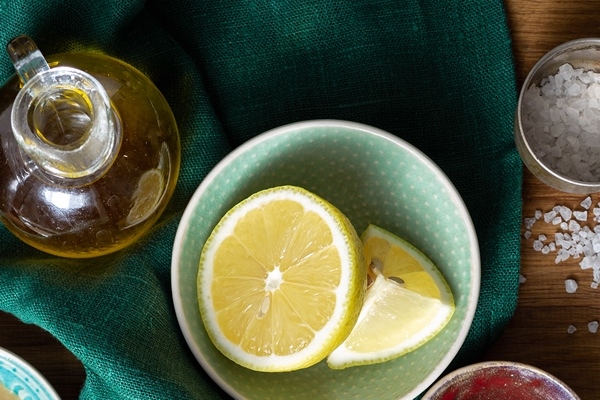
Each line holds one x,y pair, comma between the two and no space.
281,280
407,304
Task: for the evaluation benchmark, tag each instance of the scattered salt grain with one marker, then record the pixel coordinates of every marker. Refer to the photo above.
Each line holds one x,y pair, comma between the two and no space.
549,216
574,226
545,249
565,213
579,238
586,203
562,255
529,222
570,285
580,215
587,262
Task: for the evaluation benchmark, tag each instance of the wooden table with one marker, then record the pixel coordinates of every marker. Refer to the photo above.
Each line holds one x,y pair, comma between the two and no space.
537,334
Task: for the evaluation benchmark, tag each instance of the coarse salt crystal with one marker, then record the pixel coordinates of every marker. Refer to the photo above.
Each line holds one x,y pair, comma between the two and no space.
549,216
593,326
571,329
574,226
527,234
522,279
580,215
571,285
587,262
586,203
556,221
562,255
565,213
529,222
546,249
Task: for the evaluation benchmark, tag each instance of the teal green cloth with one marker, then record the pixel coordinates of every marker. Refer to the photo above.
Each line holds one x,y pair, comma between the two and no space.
438,73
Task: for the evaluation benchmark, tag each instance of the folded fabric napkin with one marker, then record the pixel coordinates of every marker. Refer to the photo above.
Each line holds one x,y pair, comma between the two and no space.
437,73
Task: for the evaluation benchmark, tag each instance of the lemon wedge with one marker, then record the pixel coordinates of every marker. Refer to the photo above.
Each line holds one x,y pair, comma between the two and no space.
281,280
407,303
146,197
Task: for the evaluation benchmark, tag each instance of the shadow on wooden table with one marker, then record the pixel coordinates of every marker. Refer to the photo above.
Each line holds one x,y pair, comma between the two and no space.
40,349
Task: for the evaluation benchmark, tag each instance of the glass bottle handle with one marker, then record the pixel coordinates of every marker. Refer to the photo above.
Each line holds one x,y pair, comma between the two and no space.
26,57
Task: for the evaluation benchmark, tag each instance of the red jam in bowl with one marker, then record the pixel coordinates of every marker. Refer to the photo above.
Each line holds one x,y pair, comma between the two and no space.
500,380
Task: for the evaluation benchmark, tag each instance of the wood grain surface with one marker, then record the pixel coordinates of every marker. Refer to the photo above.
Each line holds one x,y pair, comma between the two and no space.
537,334
40,349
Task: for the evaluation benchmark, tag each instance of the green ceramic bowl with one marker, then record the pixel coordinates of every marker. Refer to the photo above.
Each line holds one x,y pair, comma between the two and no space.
372,177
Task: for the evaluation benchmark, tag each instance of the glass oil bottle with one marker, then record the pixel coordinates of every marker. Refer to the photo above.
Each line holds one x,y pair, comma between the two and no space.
89,152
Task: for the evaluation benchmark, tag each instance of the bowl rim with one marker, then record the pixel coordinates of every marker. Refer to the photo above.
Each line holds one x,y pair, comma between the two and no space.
496,363
475,261
32,373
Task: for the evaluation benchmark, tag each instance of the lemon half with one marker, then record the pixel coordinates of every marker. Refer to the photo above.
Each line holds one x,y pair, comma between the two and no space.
281,280
408,303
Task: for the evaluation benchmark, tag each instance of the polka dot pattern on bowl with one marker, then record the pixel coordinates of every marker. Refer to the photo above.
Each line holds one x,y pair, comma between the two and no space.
372,177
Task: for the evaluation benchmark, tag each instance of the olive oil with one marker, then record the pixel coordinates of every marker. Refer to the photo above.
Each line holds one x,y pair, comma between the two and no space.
88,214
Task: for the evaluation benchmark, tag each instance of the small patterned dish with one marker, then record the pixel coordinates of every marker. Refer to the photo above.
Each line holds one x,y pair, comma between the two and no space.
21,380
372,177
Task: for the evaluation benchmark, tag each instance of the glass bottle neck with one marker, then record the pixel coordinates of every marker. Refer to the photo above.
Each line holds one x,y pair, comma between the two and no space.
62,118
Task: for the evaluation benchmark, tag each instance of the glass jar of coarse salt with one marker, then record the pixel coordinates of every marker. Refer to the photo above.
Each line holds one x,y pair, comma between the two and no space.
557,121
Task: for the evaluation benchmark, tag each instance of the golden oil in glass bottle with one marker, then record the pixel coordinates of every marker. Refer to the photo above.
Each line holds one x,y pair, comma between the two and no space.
89,152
